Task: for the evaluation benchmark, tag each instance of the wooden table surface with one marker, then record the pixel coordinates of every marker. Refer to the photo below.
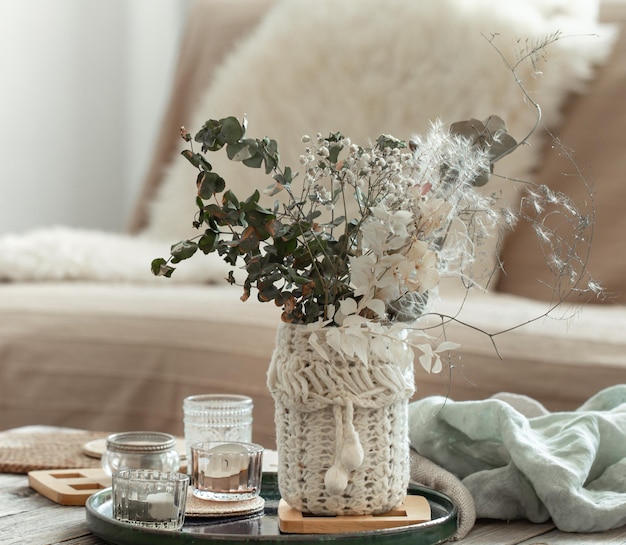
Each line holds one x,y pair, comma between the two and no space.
27,518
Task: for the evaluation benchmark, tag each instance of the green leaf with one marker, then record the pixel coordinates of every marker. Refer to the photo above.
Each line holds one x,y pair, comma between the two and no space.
209,183
286,178
275,228
255,161
159,267
191,157
360,196
204,164
249,241
391,142
230,200
242,150
271,156
230,253
254,267
268,292
207,242
183,250
197,160
251,204
209,136
481,178
231,130
214,135
285,247
334,151
338,221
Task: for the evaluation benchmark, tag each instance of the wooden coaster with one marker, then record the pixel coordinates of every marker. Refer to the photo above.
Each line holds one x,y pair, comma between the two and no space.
197,507
413,510
68,486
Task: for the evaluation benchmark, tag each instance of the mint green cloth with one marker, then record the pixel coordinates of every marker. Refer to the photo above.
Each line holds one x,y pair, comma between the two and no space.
568,466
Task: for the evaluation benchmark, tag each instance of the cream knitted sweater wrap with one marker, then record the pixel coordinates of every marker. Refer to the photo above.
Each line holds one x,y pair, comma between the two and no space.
341,426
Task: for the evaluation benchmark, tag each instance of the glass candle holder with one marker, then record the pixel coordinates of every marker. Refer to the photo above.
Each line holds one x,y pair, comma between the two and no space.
140,450
150,498
226,471
216,417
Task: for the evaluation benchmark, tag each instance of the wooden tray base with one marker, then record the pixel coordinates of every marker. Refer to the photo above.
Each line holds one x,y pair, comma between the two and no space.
413,510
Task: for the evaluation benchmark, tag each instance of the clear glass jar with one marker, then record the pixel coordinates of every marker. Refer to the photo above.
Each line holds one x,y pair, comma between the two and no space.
140,450
216,417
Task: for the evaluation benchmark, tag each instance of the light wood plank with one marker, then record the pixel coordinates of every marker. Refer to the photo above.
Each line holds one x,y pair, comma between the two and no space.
611,537
27,518
488,532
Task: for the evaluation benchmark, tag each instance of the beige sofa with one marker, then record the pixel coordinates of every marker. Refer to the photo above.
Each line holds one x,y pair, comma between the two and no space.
121,355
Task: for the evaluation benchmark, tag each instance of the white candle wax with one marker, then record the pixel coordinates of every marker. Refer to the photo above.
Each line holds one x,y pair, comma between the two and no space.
226,460
161,506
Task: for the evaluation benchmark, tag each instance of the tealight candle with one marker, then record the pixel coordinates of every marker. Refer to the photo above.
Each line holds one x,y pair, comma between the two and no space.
161,506
150,498
226,471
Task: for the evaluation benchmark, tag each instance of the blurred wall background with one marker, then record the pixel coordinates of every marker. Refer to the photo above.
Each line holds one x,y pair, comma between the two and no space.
82,87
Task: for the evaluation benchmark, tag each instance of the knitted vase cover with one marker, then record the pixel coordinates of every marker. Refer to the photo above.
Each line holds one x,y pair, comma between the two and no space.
341,426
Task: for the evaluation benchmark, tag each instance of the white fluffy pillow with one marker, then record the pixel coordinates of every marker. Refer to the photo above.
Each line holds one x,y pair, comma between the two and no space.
63,253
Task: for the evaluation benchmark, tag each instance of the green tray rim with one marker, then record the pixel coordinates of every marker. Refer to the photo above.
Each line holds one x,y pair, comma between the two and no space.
433,532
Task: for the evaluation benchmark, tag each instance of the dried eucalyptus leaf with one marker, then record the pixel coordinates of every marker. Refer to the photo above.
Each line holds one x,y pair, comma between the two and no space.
183,250
470,129
242,150
231,130
255,161
209,183
494,123
159,267
502,145
481,179
490,135
207,242
273,189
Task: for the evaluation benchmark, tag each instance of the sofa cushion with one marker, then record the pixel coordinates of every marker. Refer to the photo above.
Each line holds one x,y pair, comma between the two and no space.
116,358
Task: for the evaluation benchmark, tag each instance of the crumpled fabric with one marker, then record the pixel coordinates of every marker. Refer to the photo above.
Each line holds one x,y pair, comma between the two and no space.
567,466
425,472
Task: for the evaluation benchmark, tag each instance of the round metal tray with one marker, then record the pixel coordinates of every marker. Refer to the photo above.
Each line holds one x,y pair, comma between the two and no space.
263,527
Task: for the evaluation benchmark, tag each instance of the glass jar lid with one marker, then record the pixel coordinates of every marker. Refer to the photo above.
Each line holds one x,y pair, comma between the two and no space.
141,442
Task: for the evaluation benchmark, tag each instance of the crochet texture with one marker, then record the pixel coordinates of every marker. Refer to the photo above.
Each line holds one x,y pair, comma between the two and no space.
341,427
